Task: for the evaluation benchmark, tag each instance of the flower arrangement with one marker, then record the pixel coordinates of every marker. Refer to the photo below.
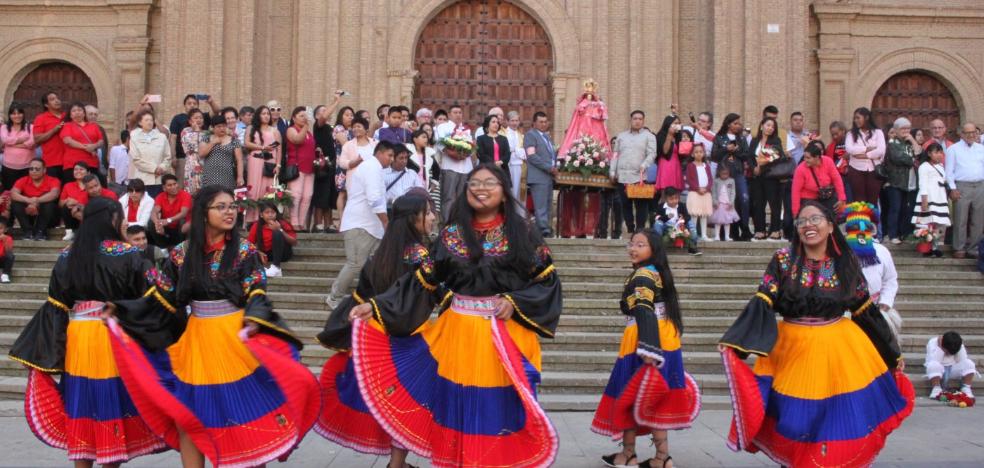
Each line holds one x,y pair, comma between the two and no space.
957,399
676,234
459,144
282,198
242,197
586,156
769,155
924,240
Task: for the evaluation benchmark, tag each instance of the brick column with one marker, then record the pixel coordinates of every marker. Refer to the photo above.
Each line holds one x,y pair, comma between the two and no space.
835,74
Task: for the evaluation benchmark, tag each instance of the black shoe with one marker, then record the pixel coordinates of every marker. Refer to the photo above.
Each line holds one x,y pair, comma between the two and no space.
616,235
28,237
694,252
609,460
40,237
937,253
331,230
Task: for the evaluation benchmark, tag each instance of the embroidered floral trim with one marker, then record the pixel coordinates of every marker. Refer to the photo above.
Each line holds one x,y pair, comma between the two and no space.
417,256
116,248
156,278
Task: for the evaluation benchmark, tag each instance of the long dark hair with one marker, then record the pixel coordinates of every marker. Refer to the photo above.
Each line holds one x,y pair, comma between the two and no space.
523,239
671,300
846,264
663,133
386,264
256,123
728,120
869,123
101,221
195,270
68,113
771,138
16,107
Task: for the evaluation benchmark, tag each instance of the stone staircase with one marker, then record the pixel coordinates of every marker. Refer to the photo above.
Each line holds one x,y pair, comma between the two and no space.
936,295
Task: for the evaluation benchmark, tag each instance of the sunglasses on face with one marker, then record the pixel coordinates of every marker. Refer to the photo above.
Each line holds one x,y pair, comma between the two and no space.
36,169
276,109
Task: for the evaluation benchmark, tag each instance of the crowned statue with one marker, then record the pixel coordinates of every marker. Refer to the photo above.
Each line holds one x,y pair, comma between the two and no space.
580,206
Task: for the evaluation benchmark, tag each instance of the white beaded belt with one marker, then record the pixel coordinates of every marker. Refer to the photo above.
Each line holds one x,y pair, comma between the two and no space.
481,306
659,309
206,309
87,310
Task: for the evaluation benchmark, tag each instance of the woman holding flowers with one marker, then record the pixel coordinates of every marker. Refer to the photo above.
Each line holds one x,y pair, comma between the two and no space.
766,150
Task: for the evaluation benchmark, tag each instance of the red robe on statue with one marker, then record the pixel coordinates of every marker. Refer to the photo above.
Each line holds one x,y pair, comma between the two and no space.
580,208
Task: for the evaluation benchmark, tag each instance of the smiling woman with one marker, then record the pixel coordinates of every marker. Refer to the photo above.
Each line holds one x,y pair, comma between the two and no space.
795,409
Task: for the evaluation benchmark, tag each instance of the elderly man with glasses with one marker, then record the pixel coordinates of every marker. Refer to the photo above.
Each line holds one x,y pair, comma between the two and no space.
965,177
34,201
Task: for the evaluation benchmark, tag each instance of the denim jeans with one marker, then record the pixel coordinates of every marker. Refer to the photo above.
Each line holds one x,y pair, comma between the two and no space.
742,206
897,212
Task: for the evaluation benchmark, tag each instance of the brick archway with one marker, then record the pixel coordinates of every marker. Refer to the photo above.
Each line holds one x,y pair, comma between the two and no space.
957,74
21,58
918,96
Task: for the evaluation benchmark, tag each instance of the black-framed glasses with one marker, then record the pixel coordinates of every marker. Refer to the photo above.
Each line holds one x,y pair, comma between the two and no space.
487,184
225,207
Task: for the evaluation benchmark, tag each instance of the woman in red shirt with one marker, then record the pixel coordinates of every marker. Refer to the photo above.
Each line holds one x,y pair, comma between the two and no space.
817,179
274,236
82,139
300,152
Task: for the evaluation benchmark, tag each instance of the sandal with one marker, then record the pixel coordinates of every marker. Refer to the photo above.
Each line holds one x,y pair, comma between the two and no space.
609,460
775,236
759,236
649,464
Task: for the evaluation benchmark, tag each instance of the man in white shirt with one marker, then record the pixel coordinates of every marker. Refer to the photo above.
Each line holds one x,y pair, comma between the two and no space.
399,180
454,172
965,176
364,219
119,161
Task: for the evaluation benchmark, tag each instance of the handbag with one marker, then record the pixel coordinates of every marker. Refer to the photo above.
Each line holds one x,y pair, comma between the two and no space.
290,173
881,172
269,169
826,193
781,169
640,190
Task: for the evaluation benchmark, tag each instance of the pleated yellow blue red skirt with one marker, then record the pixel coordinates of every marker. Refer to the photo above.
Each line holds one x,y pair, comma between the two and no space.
461,390
644,397
89,413
345,419
242,402
823,397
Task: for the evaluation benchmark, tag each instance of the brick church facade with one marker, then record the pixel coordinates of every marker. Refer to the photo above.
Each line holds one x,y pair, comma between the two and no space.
822,57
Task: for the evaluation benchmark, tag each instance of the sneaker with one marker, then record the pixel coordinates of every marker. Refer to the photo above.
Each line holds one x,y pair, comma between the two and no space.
896,241
69,235
29,236
707,239
934,394
965,389
273,271
4,278
694,252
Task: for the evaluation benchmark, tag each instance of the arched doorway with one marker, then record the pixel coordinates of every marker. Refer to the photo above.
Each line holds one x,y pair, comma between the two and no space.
484,53
918,96
70,82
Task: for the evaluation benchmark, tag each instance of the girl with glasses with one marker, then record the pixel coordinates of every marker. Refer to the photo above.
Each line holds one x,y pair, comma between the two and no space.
815,368
229,386
503,294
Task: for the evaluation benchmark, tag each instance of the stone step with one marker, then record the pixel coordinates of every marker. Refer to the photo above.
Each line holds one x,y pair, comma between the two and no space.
746,274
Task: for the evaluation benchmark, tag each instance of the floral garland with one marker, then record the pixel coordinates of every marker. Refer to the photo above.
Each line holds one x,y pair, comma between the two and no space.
586,156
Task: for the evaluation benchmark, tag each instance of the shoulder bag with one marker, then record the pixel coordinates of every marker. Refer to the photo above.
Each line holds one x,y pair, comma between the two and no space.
825,193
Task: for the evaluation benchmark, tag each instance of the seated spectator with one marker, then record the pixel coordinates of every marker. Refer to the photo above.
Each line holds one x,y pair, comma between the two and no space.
35,197
946,357
75,195
399,180
274,237
671,214
171,214
6,251
137,236
137,204
119,162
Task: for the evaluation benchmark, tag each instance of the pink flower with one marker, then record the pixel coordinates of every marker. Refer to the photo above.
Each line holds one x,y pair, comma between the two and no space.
589,162
577,163
601,164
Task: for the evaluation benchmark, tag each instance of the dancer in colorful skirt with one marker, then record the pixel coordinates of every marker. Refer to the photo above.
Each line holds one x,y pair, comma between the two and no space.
88,413
826,390
231,387
461,390
648,391
345,419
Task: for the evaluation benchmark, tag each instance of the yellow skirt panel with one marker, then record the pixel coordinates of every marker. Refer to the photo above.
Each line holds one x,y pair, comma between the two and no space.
806,367
669,340
210,351
88,352
462,346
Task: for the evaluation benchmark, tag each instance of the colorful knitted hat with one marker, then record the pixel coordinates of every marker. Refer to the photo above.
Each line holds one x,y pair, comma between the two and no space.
861,222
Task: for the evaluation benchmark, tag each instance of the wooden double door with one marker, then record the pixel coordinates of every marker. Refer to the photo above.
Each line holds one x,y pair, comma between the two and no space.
918,96
481,54
68,81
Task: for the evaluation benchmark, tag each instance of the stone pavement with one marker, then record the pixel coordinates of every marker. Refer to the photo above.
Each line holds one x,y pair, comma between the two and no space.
934,436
